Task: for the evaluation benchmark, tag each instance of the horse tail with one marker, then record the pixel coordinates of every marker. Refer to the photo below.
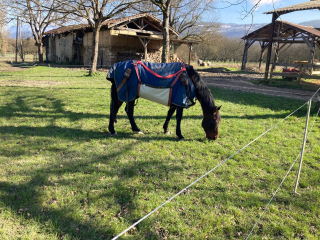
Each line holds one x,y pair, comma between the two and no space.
114,97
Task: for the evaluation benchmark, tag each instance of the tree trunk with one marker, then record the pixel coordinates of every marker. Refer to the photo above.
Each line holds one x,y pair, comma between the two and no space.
95,45
40,52
166,35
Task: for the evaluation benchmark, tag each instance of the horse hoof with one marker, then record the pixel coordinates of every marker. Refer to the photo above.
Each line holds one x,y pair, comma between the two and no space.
114,134
167,133
181,139
139,132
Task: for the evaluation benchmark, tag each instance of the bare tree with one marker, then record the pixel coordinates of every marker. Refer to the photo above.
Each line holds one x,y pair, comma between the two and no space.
187,15
95,12
2,30
165,8
39,14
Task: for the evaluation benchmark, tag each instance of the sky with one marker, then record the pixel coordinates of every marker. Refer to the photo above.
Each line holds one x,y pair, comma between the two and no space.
232,14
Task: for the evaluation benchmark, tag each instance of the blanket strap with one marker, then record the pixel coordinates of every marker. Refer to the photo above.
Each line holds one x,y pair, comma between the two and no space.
127,75
183,69
174,82
177,74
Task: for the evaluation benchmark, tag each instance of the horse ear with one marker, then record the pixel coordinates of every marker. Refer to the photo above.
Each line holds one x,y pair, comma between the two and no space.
219,107
215,109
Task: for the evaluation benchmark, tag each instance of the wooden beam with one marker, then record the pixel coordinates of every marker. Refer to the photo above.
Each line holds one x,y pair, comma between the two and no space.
285,49
274,17
145,43
263,46
306,40
276,54
138,26
139,31
151,24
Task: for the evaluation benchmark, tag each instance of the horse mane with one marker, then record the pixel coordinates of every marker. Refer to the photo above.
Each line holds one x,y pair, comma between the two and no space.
202,92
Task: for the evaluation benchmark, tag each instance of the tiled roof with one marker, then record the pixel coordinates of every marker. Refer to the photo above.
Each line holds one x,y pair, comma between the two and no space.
313,4
265,30
110,23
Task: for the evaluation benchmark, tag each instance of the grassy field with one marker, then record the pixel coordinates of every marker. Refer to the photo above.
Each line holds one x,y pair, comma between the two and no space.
63,177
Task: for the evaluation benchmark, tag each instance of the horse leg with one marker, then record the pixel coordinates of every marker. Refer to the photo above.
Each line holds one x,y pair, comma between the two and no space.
114,108
169,115
179,118
130,112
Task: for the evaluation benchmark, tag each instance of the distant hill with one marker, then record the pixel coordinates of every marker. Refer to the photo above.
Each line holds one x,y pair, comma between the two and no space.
239,30
229,29
313,23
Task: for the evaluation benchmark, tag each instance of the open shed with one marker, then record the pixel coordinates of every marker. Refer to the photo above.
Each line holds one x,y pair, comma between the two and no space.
284,35
312,4
137,37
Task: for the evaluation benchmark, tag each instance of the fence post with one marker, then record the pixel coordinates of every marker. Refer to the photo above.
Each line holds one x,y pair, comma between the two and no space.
303,145
300,73
273,67
50,78
317,106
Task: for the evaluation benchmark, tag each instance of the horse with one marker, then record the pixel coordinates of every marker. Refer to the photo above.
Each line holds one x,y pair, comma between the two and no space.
211,115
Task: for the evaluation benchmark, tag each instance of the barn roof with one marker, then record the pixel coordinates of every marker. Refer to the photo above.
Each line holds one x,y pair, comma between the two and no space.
312,4
110,23
284,29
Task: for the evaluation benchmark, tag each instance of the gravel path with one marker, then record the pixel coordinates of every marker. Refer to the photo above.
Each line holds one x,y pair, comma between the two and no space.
241,82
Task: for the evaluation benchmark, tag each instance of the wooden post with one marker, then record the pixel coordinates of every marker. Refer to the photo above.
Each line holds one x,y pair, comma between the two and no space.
17,39
271,72
300,73
276,55
312,52
50,77
303,146
146,52
317,106
190,51
261,53
274,17
144,43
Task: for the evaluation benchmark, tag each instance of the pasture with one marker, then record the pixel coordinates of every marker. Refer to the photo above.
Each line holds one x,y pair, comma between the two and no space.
63,177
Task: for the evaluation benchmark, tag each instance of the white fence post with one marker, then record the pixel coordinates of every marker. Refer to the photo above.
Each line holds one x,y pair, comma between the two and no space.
50,78
303,145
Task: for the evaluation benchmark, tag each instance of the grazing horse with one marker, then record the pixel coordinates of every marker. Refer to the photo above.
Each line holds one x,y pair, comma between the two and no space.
211,115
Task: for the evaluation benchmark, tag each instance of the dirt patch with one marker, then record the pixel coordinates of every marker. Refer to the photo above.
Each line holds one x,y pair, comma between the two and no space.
243,82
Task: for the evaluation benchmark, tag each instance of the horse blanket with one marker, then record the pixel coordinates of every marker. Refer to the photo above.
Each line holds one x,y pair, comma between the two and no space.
159,82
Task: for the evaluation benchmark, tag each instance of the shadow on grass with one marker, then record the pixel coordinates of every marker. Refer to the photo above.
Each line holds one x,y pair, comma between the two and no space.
24,199
27,194
260,100
18,107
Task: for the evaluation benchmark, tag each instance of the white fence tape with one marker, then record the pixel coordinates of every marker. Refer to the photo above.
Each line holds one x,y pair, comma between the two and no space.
170,199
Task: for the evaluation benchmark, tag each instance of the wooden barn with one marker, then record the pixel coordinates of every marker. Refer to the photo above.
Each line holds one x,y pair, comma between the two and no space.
137,37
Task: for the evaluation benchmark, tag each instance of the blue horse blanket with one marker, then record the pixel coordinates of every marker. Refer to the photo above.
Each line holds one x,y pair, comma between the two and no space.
158,77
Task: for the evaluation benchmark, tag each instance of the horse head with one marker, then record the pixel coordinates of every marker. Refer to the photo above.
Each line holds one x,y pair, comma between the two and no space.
210,123
211,115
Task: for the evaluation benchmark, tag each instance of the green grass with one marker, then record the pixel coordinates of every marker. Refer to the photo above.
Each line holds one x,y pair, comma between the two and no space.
62,177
